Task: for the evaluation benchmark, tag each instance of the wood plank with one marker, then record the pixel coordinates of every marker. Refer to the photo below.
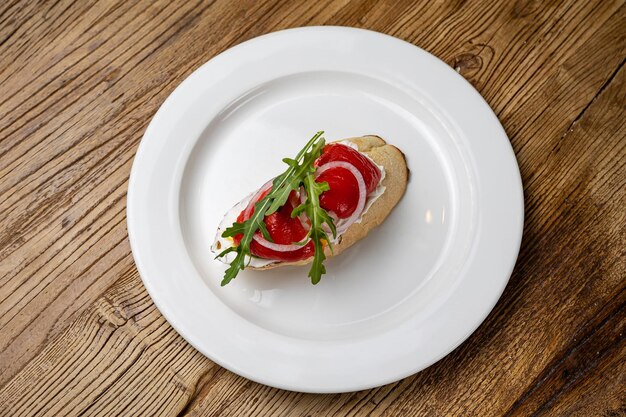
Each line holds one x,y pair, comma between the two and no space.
81,199
562,287
80,82
119,358
72,187
588,380
587,79
600,392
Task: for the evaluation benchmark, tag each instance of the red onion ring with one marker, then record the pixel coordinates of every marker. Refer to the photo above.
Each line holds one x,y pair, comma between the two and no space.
362,190
346,223
333,216
277,247
304,221
248,212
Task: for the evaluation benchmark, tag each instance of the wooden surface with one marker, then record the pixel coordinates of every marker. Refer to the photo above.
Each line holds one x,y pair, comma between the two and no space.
79,82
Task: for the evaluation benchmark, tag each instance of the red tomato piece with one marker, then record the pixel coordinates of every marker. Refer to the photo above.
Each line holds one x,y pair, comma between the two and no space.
338,152
284,230
343,196
342,199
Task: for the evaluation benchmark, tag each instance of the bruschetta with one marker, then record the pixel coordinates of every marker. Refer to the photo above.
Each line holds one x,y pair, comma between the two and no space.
329,198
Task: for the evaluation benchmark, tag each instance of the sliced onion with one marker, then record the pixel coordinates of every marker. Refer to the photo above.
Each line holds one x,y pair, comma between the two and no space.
345,223
302,195
277,247
304,221
362,191
294,199
333,216
248,212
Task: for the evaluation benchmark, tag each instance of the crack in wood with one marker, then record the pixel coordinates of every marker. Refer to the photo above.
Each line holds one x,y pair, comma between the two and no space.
593,99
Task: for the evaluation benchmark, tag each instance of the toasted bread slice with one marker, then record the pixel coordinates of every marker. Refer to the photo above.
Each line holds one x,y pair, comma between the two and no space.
395,181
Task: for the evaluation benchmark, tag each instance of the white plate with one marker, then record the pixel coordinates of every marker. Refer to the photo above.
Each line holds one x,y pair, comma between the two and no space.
395,303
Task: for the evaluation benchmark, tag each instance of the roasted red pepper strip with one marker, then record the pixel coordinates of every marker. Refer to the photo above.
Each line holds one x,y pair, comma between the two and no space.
338,152
342,199
283,230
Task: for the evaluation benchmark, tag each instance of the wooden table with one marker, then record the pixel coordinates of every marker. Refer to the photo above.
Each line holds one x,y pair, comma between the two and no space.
80,82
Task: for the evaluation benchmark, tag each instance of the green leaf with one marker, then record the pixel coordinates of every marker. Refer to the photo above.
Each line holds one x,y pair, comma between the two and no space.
291,179
235,229
325,218
235,266
300,170
264,232
318,216
225,251
317,267
297,210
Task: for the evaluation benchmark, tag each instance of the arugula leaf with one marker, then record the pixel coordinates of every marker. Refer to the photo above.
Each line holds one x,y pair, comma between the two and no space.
318,216
248,228
291,179
300,168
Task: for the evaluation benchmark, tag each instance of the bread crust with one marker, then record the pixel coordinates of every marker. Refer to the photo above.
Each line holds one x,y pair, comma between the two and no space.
395,182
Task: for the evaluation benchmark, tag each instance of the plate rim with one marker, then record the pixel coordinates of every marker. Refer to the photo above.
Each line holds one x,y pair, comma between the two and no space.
167,311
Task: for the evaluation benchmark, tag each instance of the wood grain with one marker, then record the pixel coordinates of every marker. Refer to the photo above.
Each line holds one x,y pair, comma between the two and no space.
79,81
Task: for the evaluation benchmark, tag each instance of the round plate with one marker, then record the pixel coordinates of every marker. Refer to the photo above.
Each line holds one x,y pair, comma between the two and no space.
397,301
